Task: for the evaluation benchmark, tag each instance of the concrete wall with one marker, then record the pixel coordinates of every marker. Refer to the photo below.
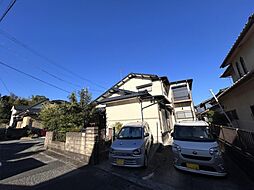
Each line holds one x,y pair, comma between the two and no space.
240,99
79,143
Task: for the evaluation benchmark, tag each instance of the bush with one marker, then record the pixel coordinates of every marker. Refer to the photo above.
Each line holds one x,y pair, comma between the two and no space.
68,117
117,126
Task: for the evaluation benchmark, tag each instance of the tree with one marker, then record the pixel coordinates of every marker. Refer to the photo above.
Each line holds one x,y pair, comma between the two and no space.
85,97
37,98
217,118
68,116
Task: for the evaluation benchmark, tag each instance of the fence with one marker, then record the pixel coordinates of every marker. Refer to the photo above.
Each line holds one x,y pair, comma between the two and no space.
90,144
238,138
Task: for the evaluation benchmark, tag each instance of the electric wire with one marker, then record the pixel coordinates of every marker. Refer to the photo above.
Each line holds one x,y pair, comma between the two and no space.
33,77
43,70
5,86
7,10
42,56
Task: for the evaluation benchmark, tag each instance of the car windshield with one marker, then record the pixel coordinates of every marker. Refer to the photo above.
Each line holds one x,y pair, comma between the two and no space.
193,133
130,133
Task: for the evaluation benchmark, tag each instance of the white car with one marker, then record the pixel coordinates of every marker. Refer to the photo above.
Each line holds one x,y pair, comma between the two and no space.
196,150
132,146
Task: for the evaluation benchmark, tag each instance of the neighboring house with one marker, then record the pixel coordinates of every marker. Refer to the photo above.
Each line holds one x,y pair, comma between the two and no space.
238,100
181,98
23,116
210,104
143,97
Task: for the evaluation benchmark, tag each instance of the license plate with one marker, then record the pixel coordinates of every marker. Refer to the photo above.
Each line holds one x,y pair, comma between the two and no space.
192,166
120,162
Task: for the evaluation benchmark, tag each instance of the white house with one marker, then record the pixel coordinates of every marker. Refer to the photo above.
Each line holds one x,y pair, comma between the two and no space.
146,97
238,100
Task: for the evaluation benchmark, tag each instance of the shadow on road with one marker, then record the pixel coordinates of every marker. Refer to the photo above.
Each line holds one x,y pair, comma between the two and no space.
15,160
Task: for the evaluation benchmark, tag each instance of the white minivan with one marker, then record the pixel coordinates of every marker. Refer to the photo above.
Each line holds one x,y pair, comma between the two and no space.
196,150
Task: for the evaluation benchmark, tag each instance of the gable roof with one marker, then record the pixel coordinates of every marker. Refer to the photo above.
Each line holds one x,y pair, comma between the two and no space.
123,97
115,87
31,109
244,32
240,81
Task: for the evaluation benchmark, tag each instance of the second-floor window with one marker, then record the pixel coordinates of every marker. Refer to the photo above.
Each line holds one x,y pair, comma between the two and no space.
238,69
243,65
184,114
147,87
180,93
232,114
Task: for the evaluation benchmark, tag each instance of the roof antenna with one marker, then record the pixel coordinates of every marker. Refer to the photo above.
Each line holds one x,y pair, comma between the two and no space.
121,76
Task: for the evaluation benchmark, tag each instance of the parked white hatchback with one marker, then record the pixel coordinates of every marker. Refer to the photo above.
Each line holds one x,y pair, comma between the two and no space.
132,146
196,150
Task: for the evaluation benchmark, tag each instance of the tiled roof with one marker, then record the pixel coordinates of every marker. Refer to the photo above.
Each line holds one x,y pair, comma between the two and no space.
125,79
245,78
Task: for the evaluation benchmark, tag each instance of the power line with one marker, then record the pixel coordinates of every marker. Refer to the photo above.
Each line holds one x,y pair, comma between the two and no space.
16,41
5,86
7,10
48,73
33,77
45,71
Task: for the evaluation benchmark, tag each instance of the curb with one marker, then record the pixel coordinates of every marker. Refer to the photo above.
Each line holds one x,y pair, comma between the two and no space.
65,158
139,182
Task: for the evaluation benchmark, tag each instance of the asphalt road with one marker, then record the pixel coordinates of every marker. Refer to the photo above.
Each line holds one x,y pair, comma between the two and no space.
25,166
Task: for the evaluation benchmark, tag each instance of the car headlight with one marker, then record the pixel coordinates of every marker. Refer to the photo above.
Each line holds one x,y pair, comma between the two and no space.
214,150
111,151
137,151
176,148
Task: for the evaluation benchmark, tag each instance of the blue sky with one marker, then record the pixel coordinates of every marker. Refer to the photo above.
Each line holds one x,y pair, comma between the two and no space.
105,40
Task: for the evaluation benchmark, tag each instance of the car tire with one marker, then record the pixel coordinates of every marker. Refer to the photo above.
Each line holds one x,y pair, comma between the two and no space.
145,161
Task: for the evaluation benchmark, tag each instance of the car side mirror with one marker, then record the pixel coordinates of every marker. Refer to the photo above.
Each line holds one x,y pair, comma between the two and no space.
146,134
172,135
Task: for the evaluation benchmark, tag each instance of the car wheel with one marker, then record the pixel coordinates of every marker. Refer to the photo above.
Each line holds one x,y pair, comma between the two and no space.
145,161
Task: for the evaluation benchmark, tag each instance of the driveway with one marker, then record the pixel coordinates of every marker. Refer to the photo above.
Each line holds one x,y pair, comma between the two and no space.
162,175
26,165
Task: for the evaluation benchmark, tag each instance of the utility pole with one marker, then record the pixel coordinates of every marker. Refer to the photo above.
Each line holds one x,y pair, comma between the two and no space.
216,99
8,9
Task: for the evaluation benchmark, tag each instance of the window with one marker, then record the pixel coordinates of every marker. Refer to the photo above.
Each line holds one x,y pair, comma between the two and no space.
147,87
252,110
238,69
243,65
232,115
180,93
184,114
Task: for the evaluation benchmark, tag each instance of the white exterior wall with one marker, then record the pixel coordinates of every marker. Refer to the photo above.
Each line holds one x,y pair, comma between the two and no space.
246,51
131,112
157,87
133,83
240,99
13,112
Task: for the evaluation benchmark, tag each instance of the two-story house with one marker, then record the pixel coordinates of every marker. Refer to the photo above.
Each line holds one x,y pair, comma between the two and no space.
142,97
238,100
181,98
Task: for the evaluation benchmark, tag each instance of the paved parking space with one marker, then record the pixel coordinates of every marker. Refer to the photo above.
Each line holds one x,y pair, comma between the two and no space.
162,175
